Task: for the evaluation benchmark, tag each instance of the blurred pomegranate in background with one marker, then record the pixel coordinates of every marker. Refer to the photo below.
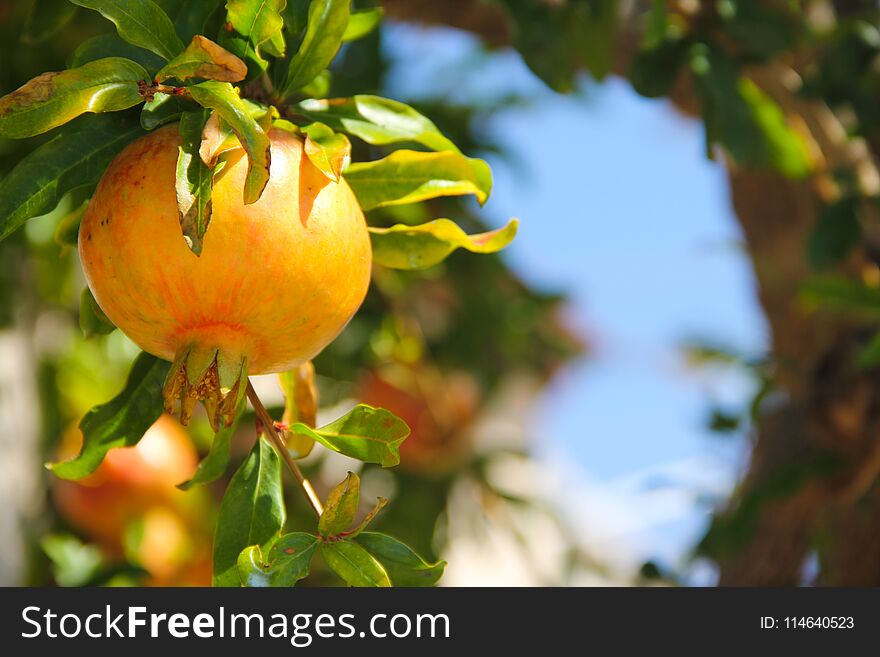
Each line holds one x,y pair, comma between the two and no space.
131,508
439,407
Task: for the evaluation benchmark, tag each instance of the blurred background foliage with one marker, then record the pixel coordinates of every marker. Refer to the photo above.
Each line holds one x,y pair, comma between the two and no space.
787,93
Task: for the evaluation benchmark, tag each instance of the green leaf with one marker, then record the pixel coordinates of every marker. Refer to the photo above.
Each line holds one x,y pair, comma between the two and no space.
596,27
260,23
110,45
141,23
381,503
122,421
76,156
745,120
842,295
288,561
214,465
341,506
869,356
221,96
45,18
655,70
372,435
837,232
74,563
67,230
92,320
52,99
361,22
252,511
327,22
329,151
403,565
164,109
204,59
378,121
420,247
354,564
193,17
195,181
410,176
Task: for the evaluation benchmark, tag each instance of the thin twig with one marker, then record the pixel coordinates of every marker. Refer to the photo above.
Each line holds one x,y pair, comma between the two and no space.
269,427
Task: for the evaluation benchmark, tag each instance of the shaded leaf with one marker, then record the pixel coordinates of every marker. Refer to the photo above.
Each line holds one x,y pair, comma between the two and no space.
287,561
193,17
372,435
837,232
122,421
76,156
377,121
140,22
354,564
221,96
204,59
45,18
214,465
418,247
842,295
654,71
747,122
403,565
869,356
195,181
164,109
92,320
67,230
340,507
329,151
327,22
52,99
110,45
361,22
252,511
410,176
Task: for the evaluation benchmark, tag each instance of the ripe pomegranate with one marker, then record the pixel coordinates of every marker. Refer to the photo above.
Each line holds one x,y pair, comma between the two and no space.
138,485
275,283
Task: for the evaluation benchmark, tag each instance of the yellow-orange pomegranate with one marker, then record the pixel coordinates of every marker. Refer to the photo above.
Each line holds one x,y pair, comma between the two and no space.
275,283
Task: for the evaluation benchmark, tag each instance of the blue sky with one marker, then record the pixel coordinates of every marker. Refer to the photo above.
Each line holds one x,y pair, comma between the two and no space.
620,209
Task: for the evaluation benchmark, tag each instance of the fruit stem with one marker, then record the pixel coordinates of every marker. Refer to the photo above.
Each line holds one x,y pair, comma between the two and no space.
269,427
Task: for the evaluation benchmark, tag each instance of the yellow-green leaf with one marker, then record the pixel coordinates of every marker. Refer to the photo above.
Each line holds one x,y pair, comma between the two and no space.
327,22
260,23
195,181
341,506
372,435
355,565
53,99
377,121
420,247
410,176
140,22
204,59
329,151
92,320
221,96
362,22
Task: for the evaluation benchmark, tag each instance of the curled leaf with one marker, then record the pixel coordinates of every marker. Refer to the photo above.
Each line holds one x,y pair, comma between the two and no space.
284,562
341,506
221,96
329,151
204,59
419,247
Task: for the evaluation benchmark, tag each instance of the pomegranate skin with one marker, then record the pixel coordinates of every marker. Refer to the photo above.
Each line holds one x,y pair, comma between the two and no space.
276,281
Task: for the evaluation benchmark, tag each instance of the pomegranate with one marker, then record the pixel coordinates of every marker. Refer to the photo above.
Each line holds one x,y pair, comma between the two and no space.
276,281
